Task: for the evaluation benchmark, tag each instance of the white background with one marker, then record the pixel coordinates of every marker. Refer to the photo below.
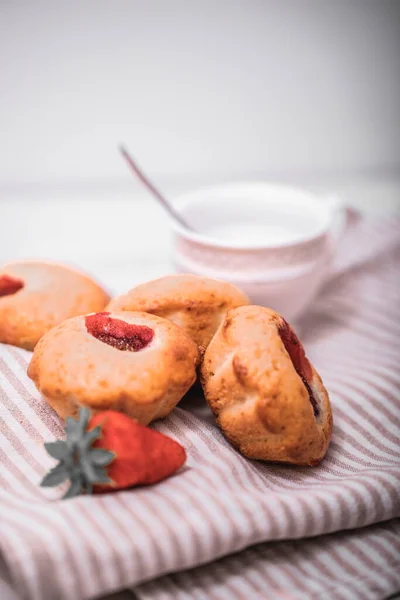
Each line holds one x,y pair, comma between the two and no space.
201,91
205,89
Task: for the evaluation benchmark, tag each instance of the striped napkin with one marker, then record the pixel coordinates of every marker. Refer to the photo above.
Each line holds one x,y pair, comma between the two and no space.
222,503
361,564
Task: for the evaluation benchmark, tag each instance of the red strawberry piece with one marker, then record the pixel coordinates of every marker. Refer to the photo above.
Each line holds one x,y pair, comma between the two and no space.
142,455
118,333
299,360
10,285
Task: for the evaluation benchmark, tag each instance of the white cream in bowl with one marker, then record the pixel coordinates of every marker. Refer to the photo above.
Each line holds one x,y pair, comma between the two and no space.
275,242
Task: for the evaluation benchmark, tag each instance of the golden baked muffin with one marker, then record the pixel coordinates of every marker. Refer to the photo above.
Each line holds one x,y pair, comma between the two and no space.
132,362
268,399
35,296
197,304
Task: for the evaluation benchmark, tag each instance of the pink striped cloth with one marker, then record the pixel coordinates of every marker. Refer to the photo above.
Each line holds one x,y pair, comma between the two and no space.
222,503
361,564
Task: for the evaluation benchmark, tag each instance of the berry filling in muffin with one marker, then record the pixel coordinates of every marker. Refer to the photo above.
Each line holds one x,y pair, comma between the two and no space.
300,362
117,333
10,285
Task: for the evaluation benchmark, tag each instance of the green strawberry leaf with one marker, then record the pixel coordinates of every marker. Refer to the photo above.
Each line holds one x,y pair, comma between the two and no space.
90,436
57,475
89,471
101,476
58,449
72,430
75,428
74,489
84,416
100,457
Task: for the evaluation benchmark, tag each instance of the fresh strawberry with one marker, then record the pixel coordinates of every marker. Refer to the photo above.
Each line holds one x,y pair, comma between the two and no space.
142,455
111,451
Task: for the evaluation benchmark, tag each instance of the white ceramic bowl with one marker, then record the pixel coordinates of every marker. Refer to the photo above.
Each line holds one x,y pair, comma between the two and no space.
275,242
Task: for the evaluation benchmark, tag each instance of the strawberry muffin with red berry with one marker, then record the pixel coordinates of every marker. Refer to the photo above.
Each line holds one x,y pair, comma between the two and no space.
268,398
132,362
35,296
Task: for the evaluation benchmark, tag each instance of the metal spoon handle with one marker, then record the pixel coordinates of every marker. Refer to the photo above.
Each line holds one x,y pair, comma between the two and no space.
153,190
